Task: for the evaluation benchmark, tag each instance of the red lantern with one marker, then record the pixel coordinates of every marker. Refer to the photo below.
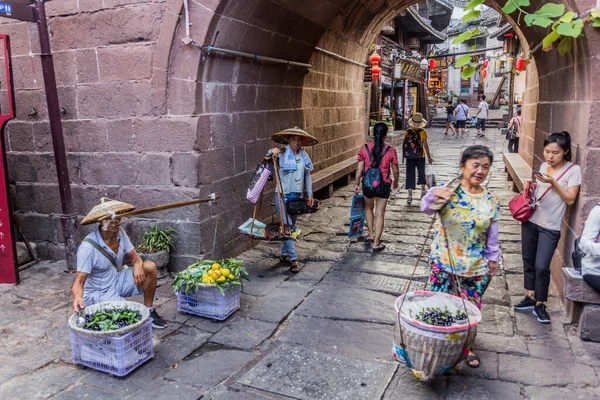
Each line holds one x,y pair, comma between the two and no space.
375,70
432,64
485,64
484,73
520,64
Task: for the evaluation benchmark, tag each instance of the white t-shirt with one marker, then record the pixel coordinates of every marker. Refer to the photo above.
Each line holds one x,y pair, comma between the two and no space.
550,211
461,112
484,110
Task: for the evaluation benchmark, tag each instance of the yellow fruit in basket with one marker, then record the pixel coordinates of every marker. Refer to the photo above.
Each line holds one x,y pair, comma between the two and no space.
215,266
210,281
231,277
204,276
216,274
225,272
221,279
205,281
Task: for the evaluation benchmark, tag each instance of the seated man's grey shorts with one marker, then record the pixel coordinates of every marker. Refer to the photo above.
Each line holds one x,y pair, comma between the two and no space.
123,287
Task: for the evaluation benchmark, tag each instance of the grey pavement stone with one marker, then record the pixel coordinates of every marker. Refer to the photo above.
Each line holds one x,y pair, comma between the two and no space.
545,393
589,324
169,312
481,389
181,344
360,305
549,353
394,259
488,367
528,325
33,354
161,333
323,255
495,319
585,352
515,285
80,391
275,306
243,333
126,386
161,389
537,372
367,341
263,282
379,283
42,383
359,263
244,393
500,344
209,369
402,249
311,272
9,370
302,373
406,386
496,292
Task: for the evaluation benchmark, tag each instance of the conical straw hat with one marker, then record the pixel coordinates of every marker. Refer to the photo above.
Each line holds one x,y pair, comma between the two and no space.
283,137
105,210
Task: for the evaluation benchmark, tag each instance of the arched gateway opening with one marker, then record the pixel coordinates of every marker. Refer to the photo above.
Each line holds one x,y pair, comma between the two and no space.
150,119
243,101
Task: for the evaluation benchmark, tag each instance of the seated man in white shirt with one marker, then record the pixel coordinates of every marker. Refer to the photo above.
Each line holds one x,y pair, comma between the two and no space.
99,279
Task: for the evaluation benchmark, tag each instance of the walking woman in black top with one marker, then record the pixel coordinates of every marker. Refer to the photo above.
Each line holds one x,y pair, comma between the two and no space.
450,118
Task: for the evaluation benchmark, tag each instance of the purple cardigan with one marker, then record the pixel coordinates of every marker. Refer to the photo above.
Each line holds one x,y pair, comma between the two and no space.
492,246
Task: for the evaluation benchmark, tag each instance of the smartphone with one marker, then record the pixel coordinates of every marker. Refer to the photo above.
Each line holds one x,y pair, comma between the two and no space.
538,173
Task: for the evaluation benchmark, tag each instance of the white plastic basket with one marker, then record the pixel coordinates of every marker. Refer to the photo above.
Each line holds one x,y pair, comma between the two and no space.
432,350
208,302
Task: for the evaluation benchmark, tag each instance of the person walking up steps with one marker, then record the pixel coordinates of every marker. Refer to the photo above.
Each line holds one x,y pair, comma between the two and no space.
482,116
462,114
414,150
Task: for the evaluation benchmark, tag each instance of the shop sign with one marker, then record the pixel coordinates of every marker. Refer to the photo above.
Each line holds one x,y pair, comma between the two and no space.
411,70
386,80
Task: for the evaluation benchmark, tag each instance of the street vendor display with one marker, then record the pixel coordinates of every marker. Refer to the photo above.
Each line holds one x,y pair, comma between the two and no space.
210,288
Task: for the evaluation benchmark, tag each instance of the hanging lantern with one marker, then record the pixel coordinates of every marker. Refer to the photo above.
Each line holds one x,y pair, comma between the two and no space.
520,64
484,73
485,64
375,70
424,64
432,64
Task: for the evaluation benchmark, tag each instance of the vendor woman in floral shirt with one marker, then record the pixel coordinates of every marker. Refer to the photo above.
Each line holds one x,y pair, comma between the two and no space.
469,226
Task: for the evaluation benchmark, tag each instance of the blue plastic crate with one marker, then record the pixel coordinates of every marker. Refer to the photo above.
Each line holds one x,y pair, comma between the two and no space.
208,302
116,355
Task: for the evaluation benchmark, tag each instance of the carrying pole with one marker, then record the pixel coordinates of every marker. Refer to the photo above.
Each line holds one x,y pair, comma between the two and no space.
68,218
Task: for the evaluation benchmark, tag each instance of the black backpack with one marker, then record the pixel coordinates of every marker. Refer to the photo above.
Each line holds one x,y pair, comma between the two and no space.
412,147
372,182
577,255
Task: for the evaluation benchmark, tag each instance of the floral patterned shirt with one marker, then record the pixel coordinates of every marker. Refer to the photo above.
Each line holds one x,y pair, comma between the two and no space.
466,218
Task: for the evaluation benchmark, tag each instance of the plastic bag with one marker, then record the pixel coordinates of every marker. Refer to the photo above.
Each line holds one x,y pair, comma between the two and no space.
430,176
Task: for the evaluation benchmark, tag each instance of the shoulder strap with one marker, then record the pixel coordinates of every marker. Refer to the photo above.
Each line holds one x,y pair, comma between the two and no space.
557,179
385,151
102,251
369,153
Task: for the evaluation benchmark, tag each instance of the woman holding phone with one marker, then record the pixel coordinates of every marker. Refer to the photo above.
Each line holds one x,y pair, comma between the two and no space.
560,180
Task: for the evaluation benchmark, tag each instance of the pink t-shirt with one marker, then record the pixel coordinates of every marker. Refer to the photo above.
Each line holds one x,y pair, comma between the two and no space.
391,157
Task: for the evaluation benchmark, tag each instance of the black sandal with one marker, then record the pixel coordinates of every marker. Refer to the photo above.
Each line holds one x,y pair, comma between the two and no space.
283,259
378,249
471,358
295,268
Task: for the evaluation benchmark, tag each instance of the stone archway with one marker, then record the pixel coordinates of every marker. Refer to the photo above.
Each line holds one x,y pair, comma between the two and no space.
240,102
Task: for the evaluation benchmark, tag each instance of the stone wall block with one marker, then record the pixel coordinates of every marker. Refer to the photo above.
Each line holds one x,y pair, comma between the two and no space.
90,5
241,98
62,7
181,97
114,100
86,62
248,71
231,129
119,25
42,137
65,67
37,227
20,136
272,75
213,98
39,198
215,165
592,163
123,63
117,3
203,133
20,30
239,159
154,170
67,100
85,135
120,135
110,169
186,238
85,197
165,134
255,152
232,191
25,100
589,325
26,75
144,197
185,169
31,167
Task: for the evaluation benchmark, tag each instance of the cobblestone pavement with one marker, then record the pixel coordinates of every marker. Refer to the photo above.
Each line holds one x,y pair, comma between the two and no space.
324,333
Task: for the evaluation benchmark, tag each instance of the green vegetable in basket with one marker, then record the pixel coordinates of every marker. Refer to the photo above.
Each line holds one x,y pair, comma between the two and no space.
111,319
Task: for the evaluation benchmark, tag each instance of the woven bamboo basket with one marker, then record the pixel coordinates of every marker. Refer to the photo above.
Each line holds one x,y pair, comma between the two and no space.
143,310
432,350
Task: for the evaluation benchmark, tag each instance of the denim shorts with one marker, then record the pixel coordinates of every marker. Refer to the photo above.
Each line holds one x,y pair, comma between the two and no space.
123,286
